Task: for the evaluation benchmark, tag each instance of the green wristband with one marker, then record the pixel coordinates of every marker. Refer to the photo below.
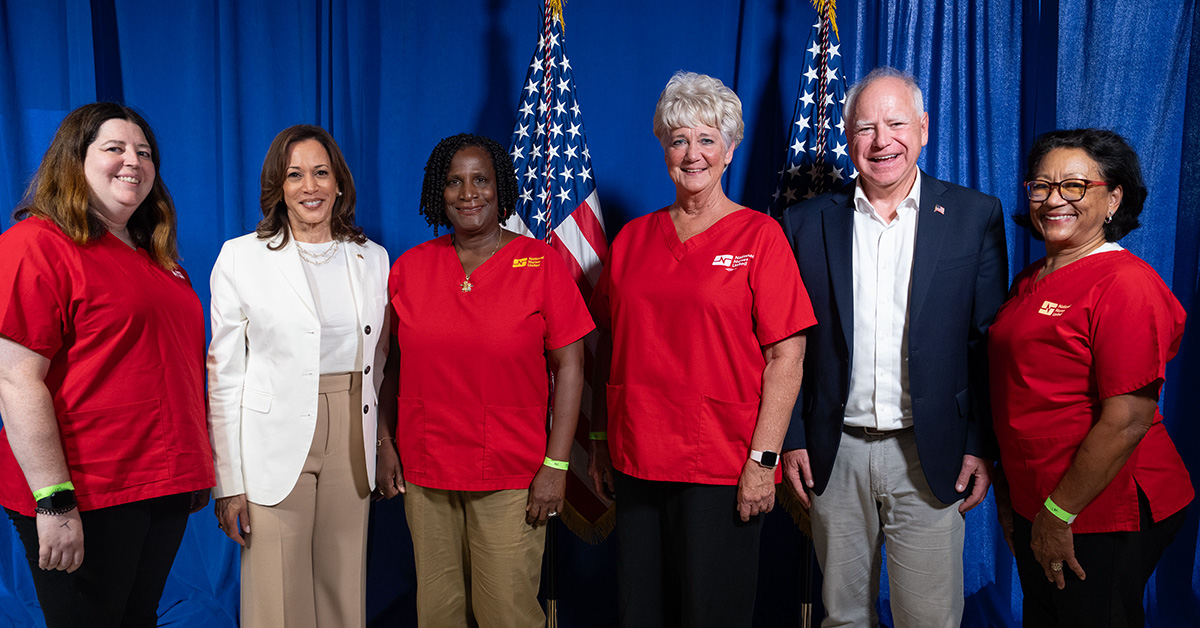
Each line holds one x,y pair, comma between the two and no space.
556,464
43,493
598,435
1054,509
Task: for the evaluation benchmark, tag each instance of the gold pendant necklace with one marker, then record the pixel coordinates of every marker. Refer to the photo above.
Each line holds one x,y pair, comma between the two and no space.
466,285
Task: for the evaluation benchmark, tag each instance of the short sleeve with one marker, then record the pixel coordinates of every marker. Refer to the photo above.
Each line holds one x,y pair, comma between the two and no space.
781,305
567,317
1136,327
35,288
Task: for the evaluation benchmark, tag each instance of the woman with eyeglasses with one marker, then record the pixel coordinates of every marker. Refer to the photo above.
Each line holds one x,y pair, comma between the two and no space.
1092,490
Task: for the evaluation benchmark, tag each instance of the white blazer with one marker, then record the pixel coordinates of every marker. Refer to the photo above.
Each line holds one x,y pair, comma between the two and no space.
263,362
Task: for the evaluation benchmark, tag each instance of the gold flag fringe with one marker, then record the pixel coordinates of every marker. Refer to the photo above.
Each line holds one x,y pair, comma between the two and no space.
591,533
826,10
556,10
791,503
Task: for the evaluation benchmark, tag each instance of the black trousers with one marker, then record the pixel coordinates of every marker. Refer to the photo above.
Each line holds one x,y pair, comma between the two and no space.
684,556
127,553
1117,564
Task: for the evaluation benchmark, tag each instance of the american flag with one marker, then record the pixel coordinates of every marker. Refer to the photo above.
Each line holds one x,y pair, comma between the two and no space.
558,204
817,158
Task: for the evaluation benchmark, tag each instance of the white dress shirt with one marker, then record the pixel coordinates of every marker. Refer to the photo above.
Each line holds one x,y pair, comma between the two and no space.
883,259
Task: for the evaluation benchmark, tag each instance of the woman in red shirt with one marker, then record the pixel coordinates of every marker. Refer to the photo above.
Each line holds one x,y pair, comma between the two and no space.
1091,484
104,445
706,309
480,316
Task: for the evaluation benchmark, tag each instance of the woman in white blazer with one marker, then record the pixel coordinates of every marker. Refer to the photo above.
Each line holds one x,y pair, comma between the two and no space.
298,309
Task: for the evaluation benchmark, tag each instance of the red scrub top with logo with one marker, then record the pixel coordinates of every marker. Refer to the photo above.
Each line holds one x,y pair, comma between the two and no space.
474,387
125,340
1103,326
689,320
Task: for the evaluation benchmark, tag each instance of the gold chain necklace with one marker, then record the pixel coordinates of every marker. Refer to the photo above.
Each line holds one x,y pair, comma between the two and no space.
318,259
466,285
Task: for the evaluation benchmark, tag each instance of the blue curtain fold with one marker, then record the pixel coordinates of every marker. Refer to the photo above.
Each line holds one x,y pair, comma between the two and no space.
217,79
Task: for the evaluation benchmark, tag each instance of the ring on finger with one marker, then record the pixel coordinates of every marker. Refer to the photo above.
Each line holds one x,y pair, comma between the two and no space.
1056,566
552,514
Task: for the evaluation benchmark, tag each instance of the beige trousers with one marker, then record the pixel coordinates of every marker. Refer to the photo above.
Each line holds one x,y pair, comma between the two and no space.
304,565
478,562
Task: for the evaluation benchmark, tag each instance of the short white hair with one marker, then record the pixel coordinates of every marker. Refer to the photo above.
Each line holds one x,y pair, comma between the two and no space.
880,72
692,99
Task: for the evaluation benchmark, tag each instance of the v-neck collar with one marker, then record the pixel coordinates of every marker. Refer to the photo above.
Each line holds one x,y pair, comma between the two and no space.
484,270
680,248
1063,274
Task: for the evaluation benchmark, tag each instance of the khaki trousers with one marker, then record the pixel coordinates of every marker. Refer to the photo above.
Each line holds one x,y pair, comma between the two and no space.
304,562
478,562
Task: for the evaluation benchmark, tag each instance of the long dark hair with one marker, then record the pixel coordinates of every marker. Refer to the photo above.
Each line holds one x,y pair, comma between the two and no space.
274,173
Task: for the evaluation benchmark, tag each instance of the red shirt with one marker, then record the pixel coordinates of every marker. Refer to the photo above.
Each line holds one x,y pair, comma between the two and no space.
125,340
474,387
1103,326
689,320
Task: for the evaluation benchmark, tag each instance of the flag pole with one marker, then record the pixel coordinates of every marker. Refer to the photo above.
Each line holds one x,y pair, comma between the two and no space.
806,604
552,585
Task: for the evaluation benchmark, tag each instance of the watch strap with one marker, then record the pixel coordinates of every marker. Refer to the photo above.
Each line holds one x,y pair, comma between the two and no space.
765,458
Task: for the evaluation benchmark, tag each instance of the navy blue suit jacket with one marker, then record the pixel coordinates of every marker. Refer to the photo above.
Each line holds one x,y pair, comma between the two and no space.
959,280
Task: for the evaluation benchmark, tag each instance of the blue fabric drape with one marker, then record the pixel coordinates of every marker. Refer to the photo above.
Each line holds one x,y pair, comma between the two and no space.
218,78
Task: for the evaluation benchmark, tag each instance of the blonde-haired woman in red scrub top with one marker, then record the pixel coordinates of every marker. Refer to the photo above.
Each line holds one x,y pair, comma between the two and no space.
706,309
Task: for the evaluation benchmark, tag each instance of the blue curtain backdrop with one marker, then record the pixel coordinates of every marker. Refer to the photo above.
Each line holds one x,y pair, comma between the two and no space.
218,78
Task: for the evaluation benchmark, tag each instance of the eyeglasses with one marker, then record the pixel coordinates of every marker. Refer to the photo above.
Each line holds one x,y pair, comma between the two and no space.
1069,190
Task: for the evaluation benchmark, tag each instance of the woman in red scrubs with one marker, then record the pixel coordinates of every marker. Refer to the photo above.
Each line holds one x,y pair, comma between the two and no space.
706,310
480,316
1091,484
101,375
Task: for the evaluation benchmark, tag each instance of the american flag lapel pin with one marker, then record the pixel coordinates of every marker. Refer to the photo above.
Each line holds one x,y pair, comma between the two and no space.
938,209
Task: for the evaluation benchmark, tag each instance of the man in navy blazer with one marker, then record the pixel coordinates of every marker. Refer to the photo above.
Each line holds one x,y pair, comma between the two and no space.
891,437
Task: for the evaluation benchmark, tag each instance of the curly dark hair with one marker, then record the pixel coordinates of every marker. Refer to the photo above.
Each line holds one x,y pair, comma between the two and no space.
59,191
433,204
274,172
1118,164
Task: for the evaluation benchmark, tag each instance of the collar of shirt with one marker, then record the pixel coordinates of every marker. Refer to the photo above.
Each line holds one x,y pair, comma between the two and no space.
907,206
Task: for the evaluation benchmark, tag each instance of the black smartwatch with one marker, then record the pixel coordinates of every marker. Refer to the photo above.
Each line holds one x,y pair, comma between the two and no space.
57,503
768,459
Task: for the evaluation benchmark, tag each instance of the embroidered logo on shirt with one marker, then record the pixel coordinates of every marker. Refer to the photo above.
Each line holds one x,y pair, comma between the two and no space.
730,262
528,262
1050,308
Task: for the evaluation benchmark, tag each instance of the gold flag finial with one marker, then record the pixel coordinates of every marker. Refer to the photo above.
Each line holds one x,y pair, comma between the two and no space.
826,10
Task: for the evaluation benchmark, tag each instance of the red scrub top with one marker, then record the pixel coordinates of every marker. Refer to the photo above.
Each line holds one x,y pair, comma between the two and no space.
474,387
125,340
1103,326
689,320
